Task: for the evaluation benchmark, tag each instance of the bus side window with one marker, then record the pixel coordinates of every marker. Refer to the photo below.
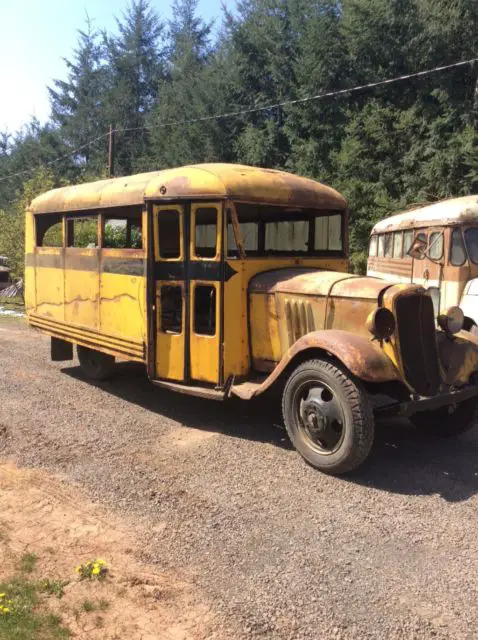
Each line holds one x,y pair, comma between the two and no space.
381,245
457,249
49,230
397,244
123,231
82,232
372,252
407,242
388,245
436,245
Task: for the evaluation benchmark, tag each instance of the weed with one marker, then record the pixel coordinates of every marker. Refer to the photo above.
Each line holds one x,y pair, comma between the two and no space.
103,604
53,587
88,606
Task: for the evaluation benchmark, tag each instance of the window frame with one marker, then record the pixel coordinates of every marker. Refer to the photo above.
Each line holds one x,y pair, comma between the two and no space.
156,241
217,206
120,213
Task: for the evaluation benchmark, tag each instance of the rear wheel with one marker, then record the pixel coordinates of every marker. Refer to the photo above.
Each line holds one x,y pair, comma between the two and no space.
448,422
328,416
95,364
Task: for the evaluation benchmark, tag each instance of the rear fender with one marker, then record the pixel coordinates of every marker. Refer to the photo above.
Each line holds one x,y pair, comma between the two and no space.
362,357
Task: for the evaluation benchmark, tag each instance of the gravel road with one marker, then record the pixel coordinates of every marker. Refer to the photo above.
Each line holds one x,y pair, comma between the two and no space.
215,492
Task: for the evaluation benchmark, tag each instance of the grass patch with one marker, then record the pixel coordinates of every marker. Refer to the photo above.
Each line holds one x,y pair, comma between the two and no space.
20,618
52,587
88,606
28,562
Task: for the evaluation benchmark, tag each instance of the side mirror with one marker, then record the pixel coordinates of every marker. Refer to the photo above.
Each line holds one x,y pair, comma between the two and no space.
418,249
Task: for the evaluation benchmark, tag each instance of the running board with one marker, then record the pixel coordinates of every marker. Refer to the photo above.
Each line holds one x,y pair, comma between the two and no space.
189,390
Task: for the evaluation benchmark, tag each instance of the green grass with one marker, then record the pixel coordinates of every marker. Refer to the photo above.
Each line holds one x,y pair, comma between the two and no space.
16,304
24,621
28,562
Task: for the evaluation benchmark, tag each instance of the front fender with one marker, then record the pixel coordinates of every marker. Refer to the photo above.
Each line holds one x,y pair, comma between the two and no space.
458,356
362,357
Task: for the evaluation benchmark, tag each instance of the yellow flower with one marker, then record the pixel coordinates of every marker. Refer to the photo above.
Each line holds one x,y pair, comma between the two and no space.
2,595
101,562
6,610
96,571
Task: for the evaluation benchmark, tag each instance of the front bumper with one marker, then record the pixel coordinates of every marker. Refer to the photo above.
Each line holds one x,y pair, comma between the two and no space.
408,408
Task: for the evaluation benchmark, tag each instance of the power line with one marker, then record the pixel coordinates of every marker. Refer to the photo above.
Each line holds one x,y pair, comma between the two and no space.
231,114
319,96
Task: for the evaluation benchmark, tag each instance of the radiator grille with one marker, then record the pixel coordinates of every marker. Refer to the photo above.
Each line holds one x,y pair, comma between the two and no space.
418,349
300,319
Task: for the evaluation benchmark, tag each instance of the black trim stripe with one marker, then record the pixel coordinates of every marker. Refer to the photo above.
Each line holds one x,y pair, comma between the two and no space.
206,270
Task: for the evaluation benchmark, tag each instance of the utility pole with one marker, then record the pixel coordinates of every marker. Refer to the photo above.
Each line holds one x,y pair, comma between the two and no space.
111,151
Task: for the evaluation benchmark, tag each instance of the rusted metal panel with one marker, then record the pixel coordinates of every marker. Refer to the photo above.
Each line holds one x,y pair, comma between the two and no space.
220,181
362,357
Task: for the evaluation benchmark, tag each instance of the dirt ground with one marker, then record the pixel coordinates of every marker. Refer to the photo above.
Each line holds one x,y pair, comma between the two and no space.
44,515
214,527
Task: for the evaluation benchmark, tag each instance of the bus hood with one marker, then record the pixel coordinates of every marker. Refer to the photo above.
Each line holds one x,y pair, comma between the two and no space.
318,283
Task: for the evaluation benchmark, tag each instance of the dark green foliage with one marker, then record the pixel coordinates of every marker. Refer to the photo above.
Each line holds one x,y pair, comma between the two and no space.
384,148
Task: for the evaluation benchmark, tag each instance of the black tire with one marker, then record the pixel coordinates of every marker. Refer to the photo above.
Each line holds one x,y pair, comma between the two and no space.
445,423
322,403
95,364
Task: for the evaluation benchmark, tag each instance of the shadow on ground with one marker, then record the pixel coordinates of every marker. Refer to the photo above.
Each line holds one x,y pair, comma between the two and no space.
402,461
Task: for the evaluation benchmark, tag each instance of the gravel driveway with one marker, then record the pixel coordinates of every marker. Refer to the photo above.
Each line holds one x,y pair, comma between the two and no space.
215,492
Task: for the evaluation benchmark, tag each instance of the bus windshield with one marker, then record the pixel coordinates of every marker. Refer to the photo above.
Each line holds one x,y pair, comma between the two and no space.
471,239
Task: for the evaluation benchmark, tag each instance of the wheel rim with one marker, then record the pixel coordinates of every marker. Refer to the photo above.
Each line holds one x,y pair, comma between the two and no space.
319,416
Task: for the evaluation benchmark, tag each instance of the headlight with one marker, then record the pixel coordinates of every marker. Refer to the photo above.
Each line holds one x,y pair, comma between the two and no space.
452,320
381,323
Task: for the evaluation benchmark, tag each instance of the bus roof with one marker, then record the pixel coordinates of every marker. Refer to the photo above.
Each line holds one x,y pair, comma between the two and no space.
446,212
214,181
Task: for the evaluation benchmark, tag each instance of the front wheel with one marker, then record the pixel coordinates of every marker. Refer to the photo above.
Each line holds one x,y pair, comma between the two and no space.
95,364
447,422
328,416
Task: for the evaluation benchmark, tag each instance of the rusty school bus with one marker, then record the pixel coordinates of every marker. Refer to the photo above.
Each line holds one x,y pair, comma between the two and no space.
227,280
435,246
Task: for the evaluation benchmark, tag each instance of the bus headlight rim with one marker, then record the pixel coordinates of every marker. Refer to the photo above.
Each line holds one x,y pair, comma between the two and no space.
381,323
452,320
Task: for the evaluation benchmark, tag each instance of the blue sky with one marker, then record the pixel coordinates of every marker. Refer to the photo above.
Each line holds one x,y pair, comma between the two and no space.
35,37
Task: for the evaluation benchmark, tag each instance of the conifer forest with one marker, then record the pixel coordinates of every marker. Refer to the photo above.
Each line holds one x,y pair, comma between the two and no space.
161,84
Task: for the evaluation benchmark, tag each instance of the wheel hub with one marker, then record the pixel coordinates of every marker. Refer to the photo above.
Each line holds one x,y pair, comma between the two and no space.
315,420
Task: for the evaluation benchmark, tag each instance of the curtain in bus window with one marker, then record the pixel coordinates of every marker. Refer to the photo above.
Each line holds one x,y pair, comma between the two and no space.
335,233
321,233
290,235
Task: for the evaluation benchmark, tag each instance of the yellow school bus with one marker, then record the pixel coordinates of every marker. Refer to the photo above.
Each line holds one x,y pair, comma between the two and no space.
230,280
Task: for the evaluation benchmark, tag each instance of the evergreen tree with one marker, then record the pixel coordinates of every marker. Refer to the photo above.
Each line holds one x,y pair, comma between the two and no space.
185,94
136,66
77,109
